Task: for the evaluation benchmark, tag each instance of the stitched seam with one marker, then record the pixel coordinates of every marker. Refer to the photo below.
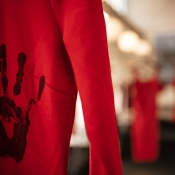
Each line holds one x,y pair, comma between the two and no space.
52,87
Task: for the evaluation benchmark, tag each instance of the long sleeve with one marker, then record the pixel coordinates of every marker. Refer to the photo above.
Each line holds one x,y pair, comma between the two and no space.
81,24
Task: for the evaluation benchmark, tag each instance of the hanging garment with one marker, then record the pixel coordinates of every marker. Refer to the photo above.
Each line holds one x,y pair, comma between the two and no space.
145,125
48,50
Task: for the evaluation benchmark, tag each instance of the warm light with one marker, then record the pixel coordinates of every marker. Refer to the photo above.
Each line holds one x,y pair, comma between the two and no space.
114,27
106,16
143,48
127,41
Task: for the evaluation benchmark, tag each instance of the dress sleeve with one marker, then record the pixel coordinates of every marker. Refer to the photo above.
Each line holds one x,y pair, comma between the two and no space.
82,27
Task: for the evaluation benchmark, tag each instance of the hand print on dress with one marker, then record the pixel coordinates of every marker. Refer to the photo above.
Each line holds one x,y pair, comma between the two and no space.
15,146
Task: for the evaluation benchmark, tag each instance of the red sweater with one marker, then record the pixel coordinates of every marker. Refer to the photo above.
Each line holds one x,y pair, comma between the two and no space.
48,50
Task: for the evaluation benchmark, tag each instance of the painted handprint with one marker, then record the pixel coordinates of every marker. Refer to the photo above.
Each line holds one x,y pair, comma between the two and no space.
15,145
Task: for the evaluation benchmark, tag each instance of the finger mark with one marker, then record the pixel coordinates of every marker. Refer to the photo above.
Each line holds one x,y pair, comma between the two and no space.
3,57
17,88
20,73
3,51
41,87
21,59
4,82
31,102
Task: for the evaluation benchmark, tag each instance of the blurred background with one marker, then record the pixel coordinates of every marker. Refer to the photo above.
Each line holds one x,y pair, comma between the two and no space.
141,40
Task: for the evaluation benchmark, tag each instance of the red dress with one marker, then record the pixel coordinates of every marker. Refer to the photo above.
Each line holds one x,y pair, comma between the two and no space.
48,50
145,126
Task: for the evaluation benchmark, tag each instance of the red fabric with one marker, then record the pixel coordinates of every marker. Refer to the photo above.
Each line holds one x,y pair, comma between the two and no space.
145,126
65,46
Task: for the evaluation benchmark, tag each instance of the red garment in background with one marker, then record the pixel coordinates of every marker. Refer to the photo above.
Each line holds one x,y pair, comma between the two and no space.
48,50
145,126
